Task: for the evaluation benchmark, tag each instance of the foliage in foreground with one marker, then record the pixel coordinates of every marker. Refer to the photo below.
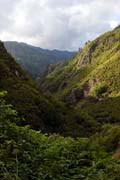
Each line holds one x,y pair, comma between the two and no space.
27,154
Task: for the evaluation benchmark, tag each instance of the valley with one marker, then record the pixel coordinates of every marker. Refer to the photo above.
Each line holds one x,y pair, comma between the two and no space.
63,124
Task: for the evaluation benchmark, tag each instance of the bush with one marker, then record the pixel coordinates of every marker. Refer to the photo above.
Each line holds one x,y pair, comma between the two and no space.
100,90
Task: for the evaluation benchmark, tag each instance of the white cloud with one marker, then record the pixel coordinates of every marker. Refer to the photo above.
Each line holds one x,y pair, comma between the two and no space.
114,23
62,24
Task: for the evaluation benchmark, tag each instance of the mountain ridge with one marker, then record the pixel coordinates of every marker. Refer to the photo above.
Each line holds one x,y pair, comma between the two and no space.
35,59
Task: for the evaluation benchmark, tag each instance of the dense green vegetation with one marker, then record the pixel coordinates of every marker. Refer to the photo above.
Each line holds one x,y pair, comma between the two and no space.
28,154
34,59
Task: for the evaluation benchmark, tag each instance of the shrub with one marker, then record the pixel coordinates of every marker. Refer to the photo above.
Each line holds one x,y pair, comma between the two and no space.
100,90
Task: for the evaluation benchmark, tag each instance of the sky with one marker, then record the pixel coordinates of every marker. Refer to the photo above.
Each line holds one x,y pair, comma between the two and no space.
57,24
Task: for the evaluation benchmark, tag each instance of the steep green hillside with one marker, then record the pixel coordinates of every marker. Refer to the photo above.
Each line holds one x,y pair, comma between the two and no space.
91,80
97,63
35,59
